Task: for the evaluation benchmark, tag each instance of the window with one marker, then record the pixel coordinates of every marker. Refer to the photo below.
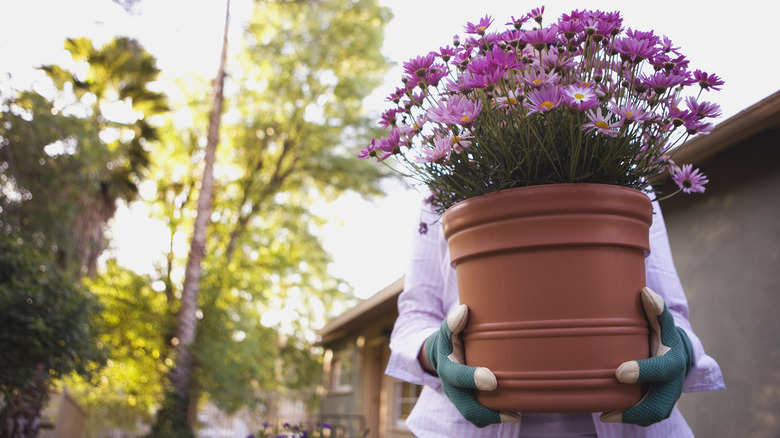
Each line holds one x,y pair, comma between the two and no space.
405,396
341,369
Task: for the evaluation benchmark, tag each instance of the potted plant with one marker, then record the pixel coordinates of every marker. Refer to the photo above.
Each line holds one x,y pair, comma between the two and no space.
537,142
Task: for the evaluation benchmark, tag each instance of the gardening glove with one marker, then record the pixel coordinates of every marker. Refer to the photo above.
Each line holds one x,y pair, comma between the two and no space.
665,371
444,351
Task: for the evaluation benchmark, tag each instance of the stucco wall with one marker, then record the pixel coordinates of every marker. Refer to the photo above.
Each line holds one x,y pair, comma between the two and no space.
726,245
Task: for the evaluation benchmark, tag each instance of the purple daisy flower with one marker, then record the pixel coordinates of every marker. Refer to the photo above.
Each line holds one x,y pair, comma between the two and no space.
634,50
580,97
570,28
509,99
419,65
630,112
703,109
442,147
536,78
599,123
479,28
456,111
661,81
486,78
541,100
666,46
698,127
688,179
536,14
446,53
501,58
517,22
707,81
462,141
434,74
539,38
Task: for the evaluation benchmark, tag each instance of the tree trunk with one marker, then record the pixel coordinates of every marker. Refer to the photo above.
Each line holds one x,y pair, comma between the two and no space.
186,326
21,415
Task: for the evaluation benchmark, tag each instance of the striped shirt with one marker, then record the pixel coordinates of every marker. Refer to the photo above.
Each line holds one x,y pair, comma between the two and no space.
430,293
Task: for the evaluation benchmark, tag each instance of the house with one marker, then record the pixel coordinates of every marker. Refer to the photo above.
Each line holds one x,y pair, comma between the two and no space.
726,246
358,395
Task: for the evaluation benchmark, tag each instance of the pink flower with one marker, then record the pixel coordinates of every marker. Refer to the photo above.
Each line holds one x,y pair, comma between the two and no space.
703,109
539,38
630,112
536,14
480,27
580,97
442,147
661,81
517,23
486,78
634,50
461,142
543,99
509,99
419,66
599,123
707,82
688,179
456,111
537,78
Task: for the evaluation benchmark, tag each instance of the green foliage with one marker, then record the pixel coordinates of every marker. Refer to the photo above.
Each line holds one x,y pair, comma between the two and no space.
135,331
73,154
66,159
289,141
172,419
47,317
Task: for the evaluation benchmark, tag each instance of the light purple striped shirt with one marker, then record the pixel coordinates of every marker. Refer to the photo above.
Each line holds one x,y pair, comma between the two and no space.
431,292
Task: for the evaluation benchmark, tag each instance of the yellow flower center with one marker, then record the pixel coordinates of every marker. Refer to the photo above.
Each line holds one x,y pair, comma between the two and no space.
511,100
579,96
602,124
537,81
547,104
456,139
464,119
629,114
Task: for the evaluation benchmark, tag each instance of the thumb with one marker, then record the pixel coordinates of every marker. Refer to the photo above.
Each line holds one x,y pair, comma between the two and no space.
456,322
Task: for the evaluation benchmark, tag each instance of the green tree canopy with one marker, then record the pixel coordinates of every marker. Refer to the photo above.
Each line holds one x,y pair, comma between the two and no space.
73,154
294,121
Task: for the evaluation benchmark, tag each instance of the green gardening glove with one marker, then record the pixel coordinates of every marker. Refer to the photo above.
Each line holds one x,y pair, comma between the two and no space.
444,351
665,371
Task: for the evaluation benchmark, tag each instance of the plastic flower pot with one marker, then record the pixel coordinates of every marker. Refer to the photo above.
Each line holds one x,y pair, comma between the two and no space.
552,276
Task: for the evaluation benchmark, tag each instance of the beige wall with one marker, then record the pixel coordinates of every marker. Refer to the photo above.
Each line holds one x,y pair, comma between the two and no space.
726,245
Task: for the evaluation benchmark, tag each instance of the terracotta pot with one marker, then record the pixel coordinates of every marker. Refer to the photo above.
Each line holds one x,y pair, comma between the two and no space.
552,277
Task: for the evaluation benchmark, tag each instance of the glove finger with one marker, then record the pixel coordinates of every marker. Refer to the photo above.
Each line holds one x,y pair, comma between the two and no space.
660,369
456,322
472,411
669,336
657,405
464,376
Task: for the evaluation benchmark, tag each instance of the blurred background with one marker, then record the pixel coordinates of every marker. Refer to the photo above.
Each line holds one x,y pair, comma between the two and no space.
110,138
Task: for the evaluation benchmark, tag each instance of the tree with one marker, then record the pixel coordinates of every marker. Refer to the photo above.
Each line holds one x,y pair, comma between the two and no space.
48,331
73,155
66,159
174,418
134,328
295,122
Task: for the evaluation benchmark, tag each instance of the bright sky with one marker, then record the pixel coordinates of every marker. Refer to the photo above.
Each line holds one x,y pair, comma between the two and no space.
370,241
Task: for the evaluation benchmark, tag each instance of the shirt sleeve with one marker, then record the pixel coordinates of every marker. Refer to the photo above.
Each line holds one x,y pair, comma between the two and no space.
662,278
420,307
